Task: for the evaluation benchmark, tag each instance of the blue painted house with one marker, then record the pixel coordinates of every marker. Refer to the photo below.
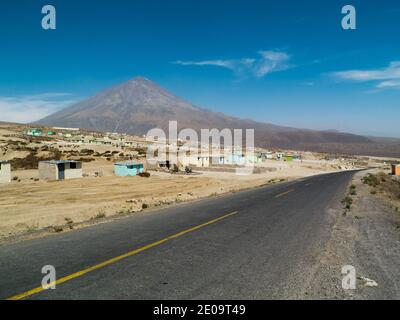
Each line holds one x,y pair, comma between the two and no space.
128,169
235,159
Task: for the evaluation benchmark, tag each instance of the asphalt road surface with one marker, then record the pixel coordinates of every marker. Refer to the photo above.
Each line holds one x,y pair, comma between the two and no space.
256,244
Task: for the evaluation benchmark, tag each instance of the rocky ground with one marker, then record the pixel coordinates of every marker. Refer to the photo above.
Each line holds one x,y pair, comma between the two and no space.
29,206
367,237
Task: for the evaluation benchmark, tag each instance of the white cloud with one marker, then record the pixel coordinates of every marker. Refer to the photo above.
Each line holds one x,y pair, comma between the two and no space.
388,77
266,63
388,84
26,109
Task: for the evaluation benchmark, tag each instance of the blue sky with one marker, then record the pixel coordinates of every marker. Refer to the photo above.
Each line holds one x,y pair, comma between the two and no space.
284,62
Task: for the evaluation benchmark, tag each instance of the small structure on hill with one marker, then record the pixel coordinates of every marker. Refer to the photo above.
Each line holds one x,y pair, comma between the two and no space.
267,155
203,161
34,132
5,172
288,158
235,159
128,169
60,170
396,169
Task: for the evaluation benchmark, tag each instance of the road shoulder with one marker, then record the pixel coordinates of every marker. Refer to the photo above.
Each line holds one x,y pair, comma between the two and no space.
366,237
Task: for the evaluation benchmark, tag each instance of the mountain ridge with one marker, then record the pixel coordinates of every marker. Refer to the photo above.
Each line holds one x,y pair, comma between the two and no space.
139,105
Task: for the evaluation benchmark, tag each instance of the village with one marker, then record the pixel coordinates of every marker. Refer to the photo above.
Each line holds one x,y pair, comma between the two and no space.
55,179
72,147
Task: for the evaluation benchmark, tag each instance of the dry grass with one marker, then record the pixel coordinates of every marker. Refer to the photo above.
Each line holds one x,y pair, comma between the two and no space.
385,186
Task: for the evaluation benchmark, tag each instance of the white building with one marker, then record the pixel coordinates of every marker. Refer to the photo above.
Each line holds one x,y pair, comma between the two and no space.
5,172
66,129
60,170
267,155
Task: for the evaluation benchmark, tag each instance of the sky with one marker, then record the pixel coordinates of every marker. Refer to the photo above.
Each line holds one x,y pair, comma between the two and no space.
287,62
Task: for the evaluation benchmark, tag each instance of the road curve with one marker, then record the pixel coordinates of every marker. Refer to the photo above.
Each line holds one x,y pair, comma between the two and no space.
262,243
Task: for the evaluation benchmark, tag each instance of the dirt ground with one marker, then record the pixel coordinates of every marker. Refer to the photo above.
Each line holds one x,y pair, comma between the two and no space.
366,237
27,205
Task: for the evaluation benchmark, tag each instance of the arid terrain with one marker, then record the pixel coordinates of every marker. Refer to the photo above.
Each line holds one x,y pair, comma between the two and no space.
28,205
365,235
356,231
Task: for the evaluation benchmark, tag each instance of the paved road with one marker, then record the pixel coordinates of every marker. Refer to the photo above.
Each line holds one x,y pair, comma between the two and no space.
257,244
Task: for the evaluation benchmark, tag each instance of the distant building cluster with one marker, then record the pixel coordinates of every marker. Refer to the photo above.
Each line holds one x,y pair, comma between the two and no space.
174,156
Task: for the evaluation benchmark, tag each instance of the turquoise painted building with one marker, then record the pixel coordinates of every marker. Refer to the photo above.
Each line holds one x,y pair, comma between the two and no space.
34,132
235,159
128,169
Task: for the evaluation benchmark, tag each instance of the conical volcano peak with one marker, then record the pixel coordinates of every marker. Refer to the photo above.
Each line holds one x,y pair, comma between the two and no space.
140,81
141,91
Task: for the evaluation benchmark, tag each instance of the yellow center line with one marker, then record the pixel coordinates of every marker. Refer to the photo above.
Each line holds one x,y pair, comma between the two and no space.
284,193
116,259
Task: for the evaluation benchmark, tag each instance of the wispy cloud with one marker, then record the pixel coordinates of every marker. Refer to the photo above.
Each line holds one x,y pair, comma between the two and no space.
384,78
267,62
24,109
388,84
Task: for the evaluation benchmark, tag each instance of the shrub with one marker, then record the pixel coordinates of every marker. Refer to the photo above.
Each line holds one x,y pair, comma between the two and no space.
371,180
347,202
100,215
58,229
68,221
87,152
174,168
144,174
32,228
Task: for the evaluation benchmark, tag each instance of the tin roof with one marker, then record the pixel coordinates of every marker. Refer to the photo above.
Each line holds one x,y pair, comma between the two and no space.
61,161
128,163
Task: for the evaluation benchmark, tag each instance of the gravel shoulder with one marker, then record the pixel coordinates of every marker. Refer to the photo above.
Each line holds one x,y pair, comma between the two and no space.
366,237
